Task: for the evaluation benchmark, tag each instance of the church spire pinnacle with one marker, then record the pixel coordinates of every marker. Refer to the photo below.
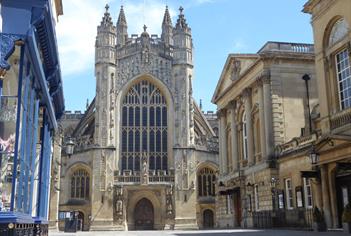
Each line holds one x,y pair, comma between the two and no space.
167,28
106,19
122,28
167,18
122,17
181,22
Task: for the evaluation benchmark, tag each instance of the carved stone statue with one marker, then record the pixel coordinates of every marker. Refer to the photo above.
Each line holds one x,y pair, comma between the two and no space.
119,202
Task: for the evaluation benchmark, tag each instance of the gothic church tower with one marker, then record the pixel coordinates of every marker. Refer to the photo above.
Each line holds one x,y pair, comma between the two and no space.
150,140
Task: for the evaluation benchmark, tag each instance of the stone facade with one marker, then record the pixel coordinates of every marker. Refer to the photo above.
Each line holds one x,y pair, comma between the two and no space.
261,103
136,76
330,176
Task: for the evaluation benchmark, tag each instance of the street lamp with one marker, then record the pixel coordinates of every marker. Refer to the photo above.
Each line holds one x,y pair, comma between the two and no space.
70,146
314,156
306,78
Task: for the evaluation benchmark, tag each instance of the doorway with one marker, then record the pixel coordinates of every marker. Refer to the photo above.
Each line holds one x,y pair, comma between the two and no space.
237,208
208,219
144,215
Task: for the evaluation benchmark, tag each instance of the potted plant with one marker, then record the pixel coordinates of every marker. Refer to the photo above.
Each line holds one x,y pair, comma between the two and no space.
319,224
346,218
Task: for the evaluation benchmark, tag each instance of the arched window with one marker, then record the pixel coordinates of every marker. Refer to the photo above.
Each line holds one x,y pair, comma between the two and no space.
206,180
80,184
343,71
244,128
338,32
144,127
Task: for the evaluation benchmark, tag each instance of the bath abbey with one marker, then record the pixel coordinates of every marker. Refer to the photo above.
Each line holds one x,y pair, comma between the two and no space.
145,155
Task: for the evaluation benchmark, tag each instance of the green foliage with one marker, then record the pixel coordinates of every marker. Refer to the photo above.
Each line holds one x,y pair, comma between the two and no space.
346,215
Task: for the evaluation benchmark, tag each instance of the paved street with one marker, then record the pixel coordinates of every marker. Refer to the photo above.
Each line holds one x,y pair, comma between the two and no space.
202,232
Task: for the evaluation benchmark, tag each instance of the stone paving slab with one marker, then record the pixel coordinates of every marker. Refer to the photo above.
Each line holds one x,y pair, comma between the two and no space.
235,232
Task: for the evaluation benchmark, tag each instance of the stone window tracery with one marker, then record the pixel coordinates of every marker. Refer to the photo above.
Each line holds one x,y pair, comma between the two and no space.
206,182
144,127
80,184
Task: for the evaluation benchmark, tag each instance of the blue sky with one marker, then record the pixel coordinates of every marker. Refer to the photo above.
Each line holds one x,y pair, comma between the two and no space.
219,27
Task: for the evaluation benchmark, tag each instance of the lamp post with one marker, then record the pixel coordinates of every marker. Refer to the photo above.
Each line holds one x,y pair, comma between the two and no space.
306,78
70,147
314,156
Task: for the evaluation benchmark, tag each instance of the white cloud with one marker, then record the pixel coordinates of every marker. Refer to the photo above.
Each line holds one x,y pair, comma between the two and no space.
76,30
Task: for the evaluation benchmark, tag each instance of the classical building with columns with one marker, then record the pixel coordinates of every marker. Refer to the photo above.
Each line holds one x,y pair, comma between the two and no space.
261,101
325,181
145,156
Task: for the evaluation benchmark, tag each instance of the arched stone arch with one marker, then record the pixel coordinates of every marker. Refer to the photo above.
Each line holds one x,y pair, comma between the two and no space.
328,31
209,164
165,91
135,197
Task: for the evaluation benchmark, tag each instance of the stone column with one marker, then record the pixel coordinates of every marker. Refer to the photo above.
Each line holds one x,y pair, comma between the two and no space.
250,143
234,133
223,142
333,199
325,195
262,119
268,114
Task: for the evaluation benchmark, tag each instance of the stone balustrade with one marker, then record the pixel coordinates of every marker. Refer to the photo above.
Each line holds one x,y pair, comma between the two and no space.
154,177
340,119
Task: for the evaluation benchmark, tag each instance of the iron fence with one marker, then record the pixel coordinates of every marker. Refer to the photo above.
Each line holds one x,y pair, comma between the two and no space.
282,218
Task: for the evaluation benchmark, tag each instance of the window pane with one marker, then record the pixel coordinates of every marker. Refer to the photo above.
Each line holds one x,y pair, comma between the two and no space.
164,116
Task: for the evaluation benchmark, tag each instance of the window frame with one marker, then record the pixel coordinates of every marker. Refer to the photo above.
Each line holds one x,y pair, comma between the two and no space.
289,194
337,73
305,192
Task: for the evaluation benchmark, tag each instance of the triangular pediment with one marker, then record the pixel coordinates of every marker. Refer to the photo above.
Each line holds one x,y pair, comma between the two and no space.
235,67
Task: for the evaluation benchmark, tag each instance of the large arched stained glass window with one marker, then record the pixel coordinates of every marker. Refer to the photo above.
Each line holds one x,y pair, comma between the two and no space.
144,127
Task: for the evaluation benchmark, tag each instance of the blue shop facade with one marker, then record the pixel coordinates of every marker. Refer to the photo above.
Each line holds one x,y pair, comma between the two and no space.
31,101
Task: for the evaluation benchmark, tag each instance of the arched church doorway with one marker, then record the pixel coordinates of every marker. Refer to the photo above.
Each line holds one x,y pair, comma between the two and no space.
144,215
208,219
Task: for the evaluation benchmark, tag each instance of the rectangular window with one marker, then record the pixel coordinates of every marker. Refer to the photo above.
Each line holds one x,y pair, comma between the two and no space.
307,193
343,70
257,199
228,205
288,193
8,120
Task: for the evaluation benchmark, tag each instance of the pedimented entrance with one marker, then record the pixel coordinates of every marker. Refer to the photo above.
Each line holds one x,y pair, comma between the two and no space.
144,215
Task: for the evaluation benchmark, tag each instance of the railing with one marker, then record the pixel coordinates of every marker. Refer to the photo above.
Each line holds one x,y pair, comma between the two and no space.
340,119
288,47
298,141
152,177
83,143
295,218
24,230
